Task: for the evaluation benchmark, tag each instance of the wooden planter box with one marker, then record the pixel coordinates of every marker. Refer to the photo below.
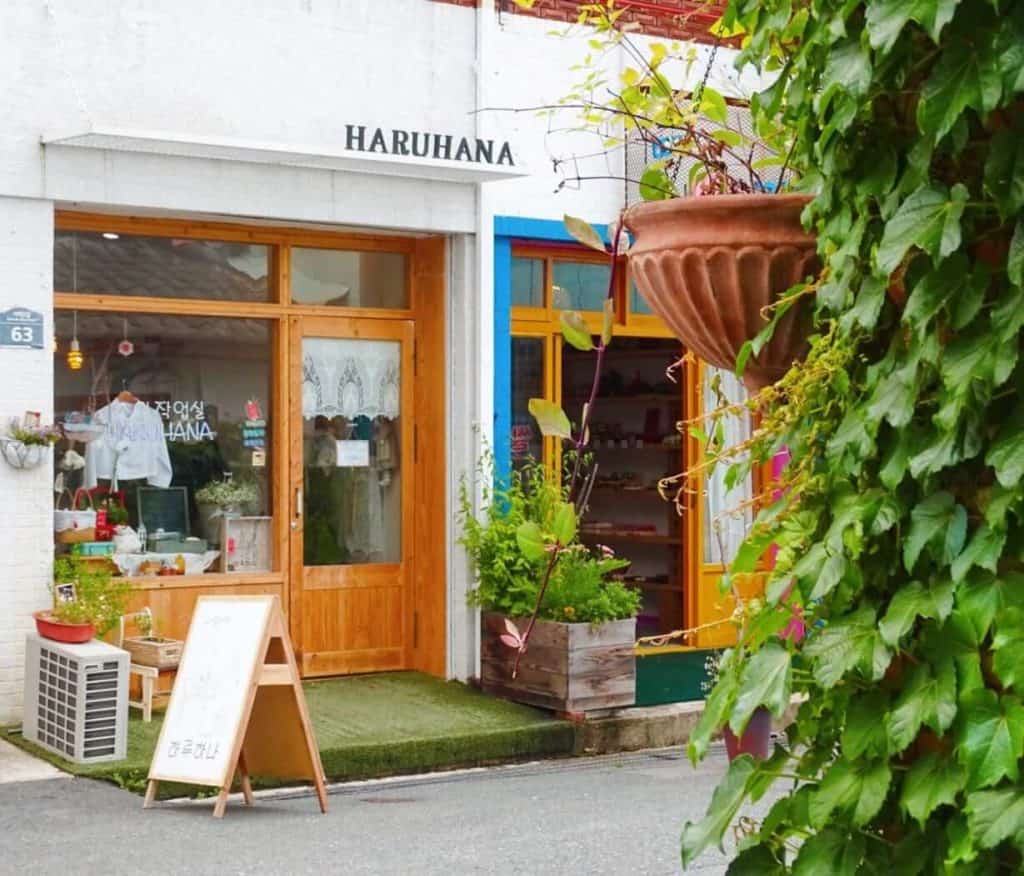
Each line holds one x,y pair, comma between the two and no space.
161,653
567,667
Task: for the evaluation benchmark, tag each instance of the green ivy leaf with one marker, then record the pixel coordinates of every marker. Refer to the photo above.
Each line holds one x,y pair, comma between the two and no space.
910,602
756,861
1004,172
563,526
990,738
531,541
551,419
725,803
859,788
765,682
1015,260
713,105
864,733
996,816
1006,453
929,519
848,69
583,232
730,138
830,575
930,782
831,851
934,290
963,77
843,645
929,219
575,331
927,699
656,185
1008,644
607,321
716,709
887,18
984,550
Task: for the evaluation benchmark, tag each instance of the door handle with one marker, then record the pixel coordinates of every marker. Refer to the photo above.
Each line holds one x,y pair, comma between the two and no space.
298,502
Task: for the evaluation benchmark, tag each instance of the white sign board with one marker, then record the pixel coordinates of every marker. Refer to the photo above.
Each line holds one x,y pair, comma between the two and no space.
212,690
353,454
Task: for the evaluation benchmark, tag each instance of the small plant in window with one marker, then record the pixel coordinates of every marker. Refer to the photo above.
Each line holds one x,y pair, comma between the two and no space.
228,494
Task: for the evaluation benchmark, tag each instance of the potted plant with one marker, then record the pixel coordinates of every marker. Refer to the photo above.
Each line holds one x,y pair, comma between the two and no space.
718,241
583,629
26,442
220,499
87,602
149,649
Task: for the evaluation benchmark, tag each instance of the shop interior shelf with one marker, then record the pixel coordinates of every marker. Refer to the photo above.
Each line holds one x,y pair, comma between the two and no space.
627,535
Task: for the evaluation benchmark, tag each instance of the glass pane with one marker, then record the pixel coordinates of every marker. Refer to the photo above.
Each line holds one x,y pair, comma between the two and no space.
579,286
724,526
159,267
351,426
345,278
169,427
527,383
527,282
637,302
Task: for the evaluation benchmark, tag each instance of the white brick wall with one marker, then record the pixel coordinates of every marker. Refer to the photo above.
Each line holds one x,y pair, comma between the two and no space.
26,383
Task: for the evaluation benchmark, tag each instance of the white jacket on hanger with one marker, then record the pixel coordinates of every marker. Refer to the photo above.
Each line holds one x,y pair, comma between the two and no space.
133,441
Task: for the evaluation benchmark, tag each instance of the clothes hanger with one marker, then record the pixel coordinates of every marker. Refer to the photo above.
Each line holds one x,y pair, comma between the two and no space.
126,395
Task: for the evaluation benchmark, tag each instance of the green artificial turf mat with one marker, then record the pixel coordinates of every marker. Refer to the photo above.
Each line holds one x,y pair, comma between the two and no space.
373,725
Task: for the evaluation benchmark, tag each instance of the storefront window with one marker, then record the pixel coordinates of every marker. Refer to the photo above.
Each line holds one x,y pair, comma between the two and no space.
346,278
159,267
527,383
527,282
168,431
579,285
727,513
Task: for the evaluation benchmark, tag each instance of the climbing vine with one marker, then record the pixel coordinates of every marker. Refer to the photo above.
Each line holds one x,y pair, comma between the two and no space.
900,532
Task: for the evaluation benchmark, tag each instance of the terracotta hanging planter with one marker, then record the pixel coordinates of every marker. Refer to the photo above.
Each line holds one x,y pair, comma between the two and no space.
708,266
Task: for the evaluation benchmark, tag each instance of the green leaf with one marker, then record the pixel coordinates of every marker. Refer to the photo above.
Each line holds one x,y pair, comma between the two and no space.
725,803
929,219
1008,644
607,321
984,550
755,861
730,138
996,816
965,76
563,526
930,782
910,602
716,710
655,185
856,787
990,738
864,733
713,105
1004,172
575,331
831,574
927,699
929,519
832,851
765,682
583,232
1006,454
848,69
551,419
887,18
934,290
531,541
843,645
1015,260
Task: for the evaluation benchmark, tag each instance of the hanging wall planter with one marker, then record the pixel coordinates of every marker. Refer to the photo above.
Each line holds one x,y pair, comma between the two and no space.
18,454
708,266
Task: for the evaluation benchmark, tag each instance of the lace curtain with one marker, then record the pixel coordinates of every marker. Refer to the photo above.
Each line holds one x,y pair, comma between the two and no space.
724,531
350,378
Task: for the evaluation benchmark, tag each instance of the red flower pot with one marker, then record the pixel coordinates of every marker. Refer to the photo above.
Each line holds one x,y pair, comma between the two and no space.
72,634
756,739
709,266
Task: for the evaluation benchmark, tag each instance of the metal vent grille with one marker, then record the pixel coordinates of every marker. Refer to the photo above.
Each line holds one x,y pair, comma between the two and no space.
100,711
58,701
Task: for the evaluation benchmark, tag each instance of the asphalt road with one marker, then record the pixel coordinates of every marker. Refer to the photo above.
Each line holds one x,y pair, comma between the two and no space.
611,815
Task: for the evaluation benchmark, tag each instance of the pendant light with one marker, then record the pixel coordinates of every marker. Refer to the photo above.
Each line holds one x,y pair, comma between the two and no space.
75,357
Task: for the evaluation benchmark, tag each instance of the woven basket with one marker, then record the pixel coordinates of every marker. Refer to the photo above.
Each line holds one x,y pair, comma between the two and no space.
163,653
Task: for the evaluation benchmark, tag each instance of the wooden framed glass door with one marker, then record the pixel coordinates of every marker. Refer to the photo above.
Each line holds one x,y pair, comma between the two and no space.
351,452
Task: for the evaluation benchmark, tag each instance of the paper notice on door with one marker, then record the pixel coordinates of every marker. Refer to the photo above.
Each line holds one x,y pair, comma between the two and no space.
353,454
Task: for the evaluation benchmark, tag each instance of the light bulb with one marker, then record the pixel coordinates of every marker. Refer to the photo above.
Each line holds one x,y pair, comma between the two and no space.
75,357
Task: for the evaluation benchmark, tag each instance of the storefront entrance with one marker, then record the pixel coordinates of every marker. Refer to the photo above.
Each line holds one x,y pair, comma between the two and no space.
352,455
266,404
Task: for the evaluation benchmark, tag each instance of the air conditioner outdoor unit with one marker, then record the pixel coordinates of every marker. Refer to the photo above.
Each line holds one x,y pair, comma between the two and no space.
76,699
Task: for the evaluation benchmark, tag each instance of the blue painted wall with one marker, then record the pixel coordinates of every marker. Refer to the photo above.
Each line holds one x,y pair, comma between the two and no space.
506,230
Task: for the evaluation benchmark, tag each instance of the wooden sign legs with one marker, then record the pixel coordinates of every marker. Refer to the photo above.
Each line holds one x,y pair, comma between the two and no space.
274,736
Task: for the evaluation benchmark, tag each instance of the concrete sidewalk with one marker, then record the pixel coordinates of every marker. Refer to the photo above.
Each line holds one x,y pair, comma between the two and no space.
18,766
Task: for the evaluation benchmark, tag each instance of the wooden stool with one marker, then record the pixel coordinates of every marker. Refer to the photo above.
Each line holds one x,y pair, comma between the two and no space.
147,677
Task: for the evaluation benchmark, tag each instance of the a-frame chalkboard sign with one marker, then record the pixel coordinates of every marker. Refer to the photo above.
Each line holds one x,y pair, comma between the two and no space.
237,705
